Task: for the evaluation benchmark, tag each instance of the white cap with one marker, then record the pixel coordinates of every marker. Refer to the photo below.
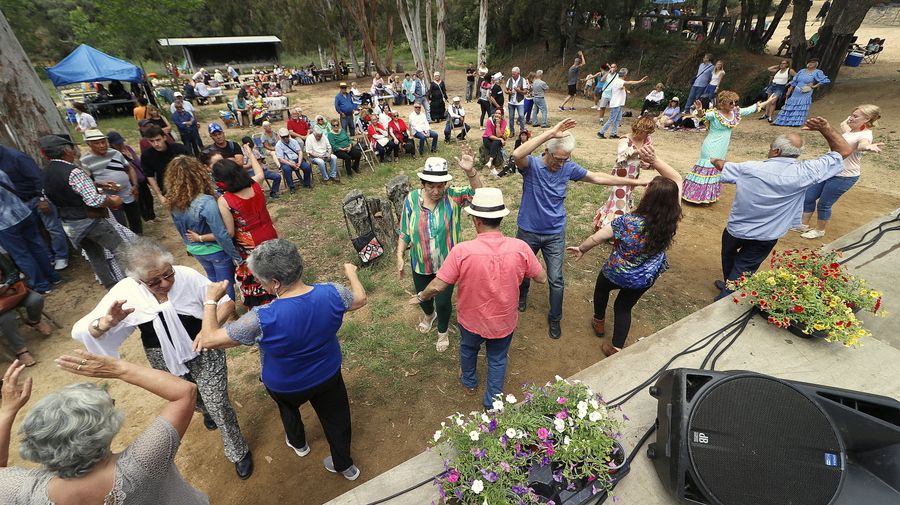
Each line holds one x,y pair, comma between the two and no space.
455,98
284,132
178,93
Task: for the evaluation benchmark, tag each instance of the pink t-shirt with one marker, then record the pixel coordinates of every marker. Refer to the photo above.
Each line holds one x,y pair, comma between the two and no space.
487,272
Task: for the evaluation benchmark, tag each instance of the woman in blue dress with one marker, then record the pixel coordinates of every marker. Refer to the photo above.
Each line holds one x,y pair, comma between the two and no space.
795,109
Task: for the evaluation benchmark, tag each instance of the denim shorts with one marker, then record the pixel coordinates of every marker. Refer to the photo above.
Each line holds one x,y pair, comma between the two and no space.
777,89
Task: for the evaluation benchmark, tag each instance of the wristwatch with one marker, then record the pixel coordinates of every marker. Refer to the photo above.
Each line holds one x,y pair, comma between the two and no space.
96,325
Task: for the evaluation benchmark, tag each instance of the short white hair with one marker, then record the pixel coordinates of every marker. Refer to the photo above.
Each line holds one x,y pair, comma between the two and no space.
516,69
565,144
786,146
539,73
144,255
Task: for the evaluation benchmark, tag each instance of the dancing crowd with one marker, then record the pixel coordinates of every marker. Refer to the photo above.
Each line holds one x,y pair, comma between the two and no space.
217,203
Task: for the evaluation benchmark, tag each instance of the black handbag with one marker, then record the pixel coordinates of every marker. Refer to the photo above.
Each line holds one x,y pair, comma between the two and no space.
366,245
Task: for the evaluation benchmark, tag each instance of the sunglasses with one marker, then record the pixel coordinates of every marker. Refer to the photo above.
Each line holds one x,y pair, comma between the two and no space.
159,280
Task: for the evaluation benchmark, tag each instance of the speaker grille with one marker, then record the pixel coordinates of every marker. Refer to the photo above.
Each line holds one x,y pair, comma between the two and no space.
757,441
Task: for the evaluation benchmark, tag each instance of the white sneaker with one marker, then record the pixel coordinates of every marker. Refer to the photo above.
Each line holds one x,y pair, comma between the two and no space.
303,451
495,173
443,342
803,228
60,264
594,107
351,473
814,234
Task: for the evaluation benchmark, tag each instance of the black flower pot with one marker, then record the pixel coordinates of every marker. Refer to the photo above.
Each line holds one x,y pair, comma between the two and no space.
580,492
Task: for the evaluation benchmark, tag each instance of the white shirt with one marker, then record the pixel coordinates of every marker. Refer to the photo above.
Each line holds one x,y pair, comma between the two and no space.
201,89
418,122
187,106
198,76
617,94
656,96
85,121
319,148
782,77
852,163
716,77
457,111
512,84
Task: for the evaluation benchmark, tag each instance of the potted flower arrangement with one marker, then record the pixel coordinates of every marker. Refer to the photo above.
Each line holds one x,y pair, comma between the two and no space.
809,292
562,430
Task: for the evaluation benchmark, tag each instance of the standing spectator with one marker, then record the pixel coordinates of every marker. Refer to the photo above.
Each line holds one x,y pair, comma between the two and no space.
769,196
542,214
144,196
27,181
188,128
299,347
496,93
420,94
781,76
539,90
419,123
346,106
516,87
457,119
15,295
470,83
107,167
654,100
82,209
319,151
155,118
437,94
83,120
487,271
21,238
572,81
179,100
857,131
409,86
289,152
494,138
641,238
800,93
244,212
484,99
430,226
344,148
155,158
140,112
715,80
618,95
701,80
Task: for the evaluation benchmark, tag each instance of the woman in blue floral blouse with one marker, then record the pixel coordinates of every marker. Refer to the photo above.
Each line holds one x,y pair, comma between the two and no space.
640,240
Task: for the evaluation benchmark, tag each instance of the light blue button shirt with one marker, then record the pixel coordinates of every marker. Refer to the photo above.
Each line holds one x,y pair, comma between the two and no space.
12,210
769,193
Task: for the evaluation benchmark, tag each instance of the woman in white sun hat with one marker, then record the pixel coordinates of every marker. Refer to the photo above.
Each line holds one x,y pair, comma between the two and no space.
430,227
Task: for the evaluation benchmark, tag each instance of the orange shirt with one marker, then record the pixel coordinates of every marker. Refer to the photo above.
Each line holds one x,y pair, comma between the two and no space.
140,112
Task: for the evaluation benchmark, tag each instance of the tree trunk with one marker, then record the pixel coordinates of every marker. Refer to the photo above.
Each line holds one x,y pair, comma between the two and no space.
834,39
482,31
26,110
759,28
717,27
776,19
389,50
440,40
704,7
365,22
798,33
371,215
321,56
396,190
410,18
351,50
429,38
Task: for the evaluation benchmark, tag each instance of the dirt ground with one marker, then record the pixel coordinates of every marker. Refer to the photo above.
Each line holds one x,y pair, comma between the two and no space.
389,430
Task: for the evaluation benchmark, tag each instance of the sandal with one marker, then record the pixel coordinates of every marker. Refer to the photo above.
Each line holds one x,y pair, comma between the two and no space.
425,327
28,362
42,327
443,342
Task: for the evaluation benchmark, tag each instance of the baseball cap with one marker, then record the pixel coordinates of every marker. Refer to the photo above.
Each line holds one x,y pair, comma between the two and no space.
215,128
115,138
343,85
266,123
94,134
50,141
283,132
178,93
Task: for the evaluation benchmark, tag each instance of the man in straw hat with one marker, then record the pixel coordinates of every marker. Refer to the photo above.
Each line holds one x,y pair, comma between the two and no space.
487,271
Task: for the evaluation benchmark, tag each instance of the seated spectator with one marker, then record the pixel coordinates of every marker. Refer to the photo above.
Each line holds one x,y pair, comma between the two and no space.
344,148
418,122
250,149
202,91
401,132
190,92
654,100
693,119
670,116
15,294
298,124
140,112
319,151
494,138
289,152
456,120
242,109
381,140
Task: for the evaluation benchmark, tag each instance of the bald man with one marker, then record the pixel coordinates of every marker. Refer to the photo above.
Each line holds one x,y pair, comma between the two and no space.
769,196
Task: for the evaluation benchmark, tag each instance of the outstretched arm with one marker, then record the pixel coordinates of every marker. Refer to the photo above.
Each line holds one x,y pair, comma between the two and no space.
520,155
835,141
610,180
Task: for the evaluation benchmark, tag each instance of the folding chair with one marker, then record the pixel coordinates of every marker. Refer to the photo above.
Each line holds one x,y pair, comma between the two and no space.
258,147
368,153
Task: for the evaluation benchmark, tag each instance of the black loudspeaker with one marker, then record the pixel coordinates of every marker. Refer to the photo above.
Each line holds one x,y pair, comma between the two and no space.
742,438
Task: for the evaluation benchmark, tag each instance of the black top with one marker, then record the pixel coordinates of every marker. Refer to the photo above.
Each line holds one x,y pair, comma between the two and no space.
470,74
230,150
497,93
160,121
70,204
9,274
150,339
153,162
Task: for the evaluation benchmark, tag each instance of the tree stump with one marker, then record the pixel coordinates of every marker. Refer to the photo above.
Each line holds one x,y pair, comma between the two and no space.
396,190
371,215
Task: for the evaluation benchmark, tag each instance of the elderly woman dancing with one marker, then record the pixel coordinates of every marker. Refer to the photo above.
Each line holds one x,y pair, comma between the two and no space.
430,226
70,430
166,303
297,337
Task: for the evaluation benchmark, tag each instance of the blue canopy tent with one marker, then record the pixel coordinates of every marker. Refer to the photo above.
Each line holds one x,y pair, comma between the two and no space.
86,64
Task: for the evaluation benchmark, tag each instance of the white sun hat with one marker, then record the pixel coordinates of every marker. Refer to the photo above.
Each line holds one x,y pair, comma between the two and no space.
487,203
435,170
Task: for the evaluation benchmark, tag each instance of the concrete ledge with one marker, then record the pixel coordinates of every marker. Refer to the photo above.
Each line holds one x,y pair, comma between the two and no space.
872,368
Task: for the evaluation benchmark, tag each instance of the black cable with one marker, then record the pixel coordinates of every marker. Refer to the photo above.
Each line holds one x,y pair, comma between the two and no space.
634,452
859,242
732,333
737,334
867,245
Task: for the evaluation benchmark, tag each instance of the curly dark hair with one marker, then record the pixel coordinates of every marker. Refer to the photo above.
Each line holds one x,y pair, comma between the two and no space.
661,209
231,175
186,179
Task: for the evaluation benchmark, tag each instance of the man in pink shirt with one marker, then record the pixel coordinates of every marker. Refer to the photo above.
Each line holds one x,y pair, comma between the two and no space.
487,272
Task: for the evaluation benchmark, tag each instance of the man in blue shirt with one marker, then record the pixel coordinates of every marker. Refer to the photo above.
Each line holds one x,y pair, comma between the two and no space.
542,213
769,197
28,181
345,106
188,128
701,80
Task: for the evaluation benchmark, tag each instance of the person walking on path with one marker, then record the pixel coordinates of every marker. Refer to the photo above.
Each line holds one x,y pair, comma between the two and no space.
487,272
542,213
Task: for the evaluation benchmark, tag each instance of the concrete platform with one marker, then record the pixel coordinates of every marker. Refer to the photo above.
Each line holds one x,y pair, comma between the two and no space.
872,368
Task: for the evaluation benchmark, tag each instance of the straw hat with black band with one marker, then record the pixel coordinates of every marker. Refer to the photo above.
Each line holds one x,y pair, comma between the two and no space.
487,203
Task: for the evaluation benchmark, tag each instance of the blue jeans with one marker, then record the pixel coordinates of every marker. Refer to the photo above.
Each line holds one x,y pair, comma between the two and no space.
219,267
529,106
272,176
434,140
615,117
25,246
347,123
59,243
496,350
826,193
540,104
513,109
695,93
448,129
287,170
553,247
320,162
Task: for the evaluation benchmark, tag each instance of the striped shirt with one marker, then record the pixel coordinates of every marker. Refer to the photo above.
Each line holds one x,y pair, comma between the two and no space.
430,234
